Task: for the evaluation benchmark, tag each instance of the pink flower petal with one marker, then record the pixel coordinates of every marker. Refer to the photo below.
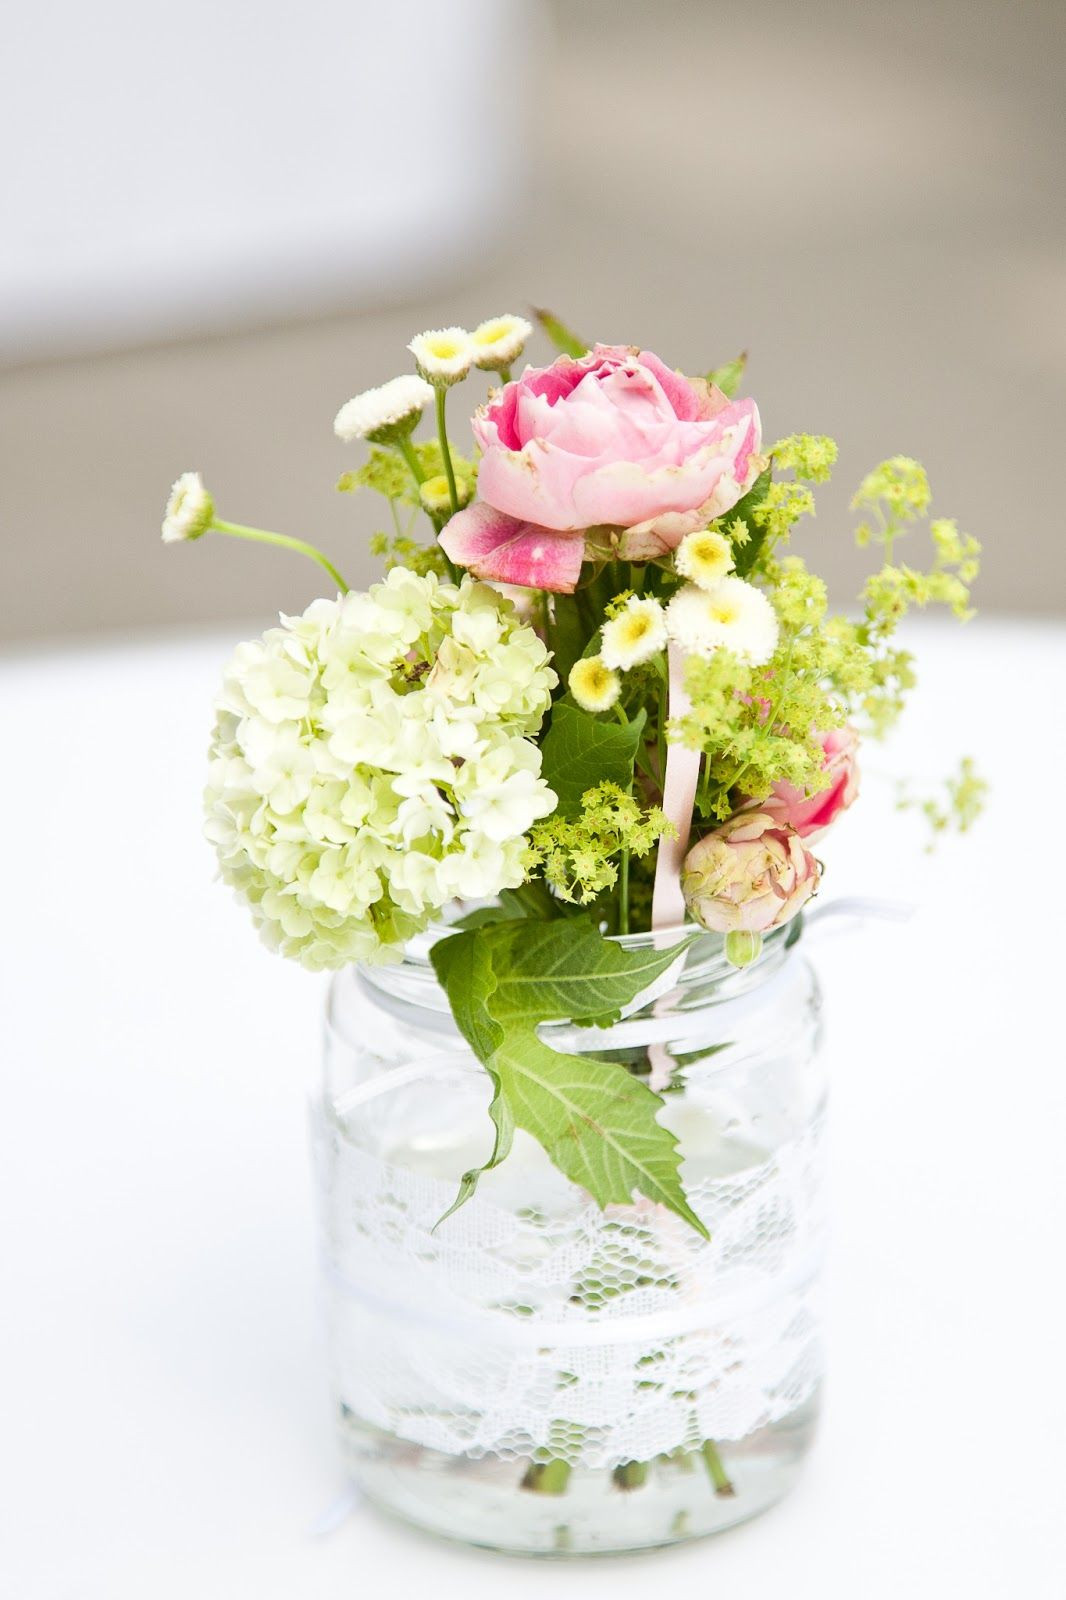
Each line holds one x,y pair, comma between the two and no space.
502,549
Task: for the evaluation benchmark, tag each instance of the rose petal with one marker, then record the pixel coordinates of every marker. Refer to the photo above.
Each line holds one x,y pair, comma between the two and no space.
501,549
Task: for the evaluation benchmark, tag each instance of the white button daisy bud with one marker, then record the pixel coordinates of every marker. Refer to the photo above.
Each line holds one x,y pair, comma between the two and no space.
499,342
384,415
636,634
593,685
443,355
704,557
734,616
190,509
436,497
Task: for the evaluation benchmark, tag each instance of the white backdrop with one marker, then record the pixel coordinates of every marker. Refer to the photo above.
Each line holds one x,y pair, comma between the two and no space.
166,1427
167,168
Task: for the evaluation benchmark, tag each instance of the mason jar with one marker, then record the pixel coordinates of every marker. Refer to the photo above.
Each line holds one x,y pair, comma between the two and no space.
526,1371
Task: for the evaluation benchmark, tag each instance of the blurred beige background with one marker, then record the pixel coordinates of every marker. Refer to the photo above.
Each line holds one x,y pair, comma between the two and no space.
867,198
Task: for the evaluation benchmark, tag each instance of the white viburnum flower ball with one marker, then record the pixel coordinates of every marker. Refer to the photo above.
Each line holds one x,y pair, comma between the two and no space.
733,615
190,509
443,355
705,558
593,685
499,342
636,634
385,414
372,759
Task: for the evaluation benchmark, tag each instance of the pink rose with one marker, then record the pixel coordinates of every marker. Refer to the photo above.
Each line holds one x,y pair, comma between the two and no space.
615,440
811,814
748,876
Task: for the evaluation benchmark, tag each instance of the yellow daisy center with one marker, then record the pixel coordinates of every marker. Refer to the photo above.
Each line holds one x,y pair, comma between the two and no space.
491,332
443,349
634,628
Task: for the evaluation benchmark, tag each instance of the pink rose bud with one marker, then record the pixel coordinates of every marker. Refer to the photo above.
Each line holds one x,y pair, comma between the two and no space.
750,875
811,814
614,440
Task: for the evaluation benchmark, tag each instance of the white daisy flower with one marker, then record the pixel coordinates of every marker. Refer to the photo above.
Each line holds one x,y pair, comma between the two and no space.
190,509
593,685
443,355
385,414
704,557
734,616
636,634
499,342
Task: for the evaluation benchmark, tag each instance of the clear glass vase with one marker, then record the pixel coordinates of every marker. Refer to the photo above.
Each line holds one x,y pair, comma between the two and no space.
533,1374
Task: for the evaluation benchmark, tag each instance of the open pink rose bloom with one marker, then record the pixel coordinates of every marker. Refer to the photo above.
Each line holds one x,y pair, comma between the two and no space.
811,814
616,441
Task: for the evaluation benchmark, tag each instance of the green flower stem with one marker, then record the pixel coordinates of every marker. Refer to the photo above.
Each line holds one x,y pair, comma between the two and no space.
407,450
237,530
505,374
723,1485
623,864
547,1477
446,455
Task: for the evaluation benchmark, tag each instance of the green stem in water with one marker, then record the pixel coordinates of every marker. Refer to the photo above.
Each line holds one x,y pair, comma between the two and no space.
237,530
446,455
723,1484
547,1477
630,1475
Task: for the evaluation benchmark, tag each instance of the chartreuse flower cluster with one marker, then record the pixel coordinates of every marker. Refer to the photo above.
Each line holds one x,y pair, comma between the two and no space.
595,636
578,855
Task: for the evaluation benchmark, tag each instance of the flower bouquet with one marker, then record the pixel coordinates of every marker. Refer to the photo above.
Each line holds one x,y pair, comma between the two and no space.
548,797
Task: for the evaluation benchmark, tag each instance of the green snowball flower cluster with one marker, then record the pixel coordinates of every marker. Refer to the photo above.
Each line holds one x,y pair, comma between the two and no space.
371,761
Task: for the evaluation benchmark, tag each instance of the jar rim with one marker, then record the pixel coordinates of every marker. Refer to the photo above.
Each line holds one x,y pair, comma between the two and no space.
702,970
708,946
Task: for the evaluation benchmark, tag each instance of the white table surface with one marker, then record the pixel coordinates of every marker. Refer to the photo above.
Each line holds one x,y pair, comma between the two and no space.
165,1424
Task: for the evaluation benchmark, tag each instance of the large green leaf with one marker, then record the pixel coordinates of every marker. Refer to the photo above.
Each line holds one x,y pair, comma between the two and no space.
745,554
463,964
566,342
597,1122
581,750
566,971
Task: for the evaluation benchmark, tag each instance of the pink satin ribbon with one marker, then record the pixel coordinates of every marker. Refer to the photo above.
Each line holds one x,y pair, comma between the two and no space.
679,797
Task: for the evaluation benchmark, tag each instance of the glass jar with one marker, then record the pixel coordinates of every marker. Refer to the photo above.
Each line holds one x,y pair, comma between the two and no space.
533,1374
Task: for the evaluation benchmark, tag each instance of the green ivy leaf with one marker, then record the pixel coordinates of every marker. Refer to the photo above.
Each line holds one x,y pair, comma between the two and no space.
596,1121
745,555
728,377
569,638
567,343
581,750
